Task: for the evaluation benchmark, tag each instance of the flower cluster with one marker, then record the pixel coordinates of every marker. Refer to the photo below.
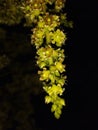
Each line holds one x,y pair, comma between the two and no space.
47,56
48,39
32,9
50,61
45,29
59,4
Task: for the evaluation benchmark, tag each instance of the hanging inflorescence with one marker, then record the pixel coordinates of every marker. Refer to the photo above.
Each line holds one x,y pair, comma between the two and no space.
47,17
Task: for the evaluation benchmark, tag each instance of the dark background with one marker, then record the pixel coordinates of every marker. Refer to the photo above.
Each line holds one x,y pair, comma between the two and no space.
23,109
83,64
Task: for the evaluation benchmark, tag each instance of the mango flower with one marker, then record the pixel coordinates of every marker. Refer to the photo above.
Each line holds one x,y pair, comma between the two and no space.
48,40
58,38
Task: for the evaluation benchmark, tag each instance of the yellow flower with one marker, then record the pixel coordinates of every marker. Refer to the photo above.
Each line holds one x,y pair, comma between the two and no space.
45,75
60,66
47,99
55,90
58,38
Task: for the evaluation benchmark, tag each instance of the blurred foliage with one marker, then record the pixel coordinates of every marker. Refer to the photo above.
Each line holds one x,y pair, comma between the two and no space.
18,81
4,61
10,12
